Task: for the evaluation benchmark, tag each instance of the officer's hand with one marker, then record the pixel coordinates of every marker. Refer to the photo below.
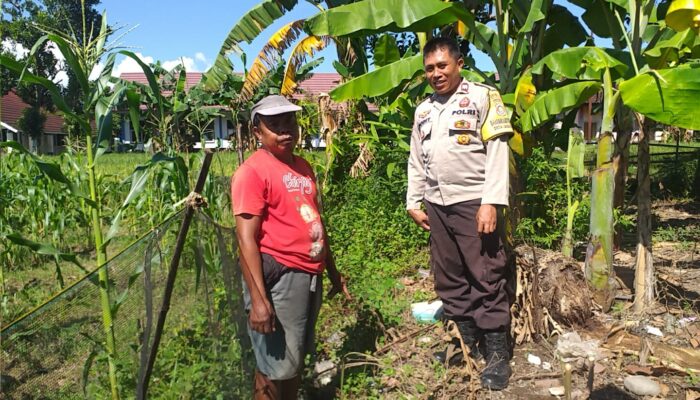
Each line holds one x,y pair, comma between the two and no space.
420,218
486,219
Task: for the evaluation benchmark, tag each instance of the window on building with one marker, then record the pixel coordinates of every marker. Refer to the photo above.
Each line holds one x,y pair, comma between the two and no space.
59,140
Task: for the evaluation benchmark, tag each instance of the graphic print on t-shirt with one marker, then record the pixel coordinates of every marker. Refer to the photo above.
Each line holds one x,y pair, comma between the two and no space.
304,185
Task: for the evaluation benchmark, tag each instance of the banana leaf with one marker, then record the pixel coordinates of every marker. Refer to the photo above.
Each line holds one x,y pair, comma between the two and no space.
536,13
379,81
564,29
575,153
556,101
386,51
580,63
600,17
372,16
246,30
673,49
669,96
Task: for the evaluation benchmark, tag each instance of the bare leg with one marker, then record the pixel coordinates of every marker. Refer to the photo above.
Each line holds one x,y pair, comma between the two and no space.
268,389
265,388
289,388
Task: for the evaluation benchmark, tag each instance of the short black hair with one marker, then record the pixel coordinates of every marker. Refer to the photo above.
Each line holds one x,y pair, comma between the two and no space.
256,120
440,42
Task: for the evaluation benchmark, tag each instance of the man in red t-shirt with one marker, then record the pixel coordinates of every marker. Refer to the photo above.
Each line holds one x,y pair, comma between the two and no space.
283,249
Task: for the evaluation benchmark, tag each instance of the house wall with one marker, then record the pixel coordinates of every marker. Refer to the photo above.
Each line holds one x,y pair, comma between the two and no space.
582,121
221,129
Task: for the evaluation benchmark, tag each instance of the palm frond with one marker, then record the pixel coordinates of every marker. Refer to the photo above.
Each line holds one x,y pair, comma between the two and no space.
270,56
306,47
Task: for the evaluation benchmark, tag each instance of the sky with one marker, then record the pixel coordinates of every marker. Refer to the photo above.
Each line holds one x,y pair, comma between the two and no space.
189,32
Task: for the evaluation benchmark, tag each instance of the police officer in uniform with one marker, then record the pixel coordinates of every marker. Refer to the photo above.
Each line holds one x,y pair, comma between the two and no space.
458,170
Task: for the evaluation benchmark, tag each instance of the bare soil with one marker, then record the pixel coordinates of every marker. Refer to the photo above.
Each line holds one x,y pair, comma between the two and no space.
407,368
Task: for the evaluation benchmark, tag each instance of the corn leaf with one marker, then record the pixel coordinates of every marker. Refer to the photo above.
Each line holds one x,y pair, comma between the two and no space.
51,170
103,116
668,96
380,80
44,249
547,105
27,77
73,62
152,82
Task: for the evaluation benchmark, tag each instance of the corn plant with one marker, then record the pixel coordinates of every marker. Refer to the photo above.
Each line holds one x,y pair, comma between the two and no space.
98,98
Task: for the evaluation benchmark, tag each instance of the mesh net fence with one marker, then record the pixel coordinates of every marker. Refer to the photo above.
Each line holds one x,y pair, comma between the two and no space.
58,350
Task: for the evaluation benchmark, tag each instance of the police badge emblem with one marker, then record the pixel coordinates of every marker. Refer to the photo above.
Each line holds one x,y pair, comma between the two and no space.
462,124
463,139
464,102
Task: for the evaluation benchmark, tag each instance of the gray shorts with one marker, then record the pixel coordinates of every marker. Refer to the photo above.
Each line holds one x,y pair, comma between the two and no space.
296,299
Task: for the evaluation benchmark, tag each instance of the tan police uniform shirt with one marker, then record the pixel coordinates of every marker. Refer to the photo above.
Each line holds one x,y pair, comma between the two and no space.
459,148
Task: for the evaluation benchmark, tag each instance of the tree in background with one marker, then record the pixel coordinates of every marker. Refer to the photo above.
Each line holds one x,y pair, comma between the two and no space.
32,123
24,24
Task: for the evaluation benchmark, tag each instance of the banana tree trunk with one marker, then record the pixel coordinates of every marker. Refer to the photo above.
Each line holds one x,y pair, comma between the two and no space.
644,277
599,254
621,162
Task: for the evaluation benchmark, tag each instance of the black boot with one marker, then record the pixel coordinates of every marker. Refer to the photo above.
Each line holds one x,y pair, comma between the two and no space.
497,371
470,336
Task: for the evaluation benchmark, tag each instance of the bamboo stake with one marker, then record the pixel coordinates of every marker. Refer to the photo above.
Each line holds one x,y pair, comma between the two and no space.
567,381
142,389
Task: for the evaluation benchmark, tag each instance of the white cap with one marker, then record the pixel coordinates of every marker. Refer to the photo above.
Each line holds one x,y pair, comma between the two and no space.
273,105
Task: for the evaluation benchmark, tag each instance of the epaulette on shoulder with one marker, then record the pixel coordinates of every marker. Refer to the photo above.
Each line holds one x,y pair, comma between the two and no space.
483,86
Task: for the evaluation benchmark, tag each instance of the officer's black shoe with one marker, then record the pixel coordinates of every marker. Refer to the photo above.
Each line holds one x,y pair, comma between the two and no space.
470,336
497,371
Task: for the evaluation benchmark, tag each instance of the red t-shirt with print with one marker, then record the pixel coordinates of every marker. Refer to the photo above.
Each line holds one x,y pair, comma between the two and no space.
285,196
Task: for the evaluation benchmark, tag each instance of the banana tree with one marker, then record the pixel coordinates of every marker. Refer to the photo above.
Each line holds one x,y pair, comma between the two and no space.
664,95
98,100
524,31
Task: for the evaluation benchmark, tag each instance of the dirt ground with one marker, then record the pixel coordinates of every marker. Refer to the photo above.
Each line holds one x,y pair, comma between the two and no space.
626,344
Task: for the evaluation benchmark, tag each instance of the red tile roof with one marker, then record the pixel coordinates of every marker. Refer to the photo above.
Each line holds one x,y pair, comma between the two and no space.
320,82
12,107
191,79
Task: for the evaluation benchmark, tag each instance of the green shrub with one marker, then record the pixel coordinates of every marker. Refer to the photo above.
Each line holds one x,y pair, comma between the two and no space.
543,202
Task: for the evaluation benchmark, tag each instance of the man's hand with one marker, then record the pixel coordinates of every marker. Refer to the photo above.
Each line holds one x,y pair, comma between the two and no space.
337,284
262,317
486,219
420,218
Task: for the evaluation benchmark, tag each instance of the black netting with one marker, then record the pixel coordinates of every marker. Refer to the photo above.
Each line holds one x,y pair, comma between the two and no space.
59,350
